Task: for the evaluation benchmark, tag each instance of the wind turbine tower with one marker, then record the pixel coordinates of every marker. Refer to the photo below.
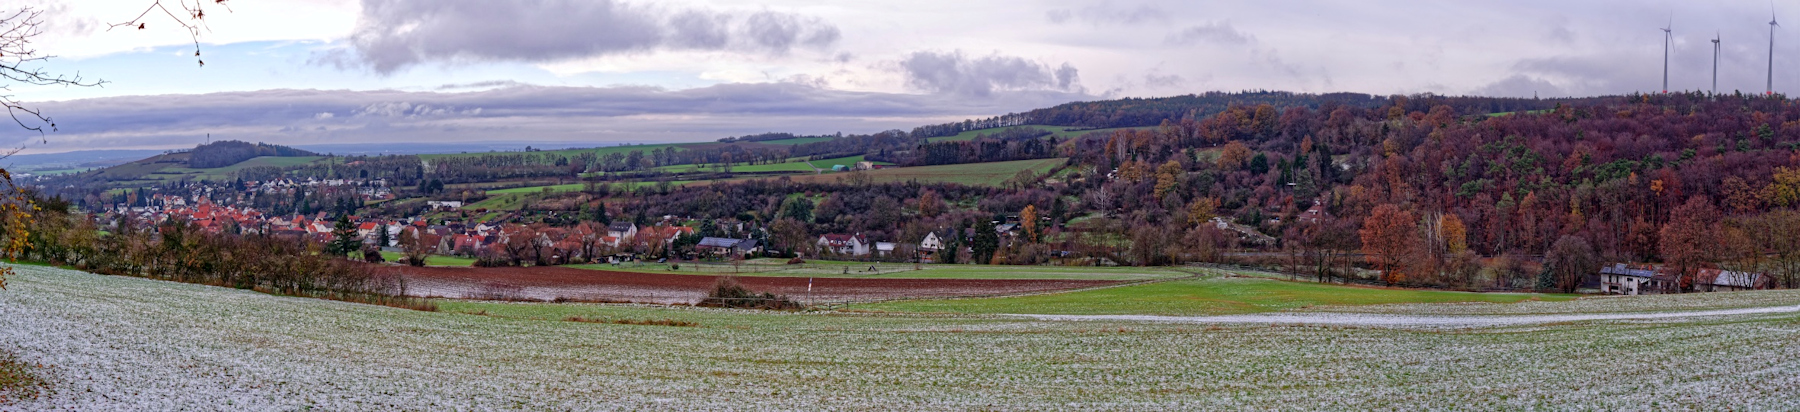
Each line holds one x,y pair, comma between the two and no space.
1668,38
1715,88
1772,25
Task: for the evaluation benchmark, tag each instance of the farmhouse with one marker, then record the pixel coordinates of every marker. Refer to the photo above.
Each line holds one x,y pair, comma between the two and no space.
1716,280
1623,279
932,243
728,246
622,230
852,245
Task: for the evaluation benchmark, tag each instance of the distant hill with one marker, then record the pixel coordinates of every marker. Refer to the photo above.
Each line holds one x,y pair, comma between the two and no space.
72,161
229,152
1141,112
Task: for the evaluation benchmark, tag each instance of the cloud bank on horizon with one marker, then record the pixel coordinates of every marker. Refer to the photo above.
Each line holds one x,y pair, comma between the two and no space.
607,71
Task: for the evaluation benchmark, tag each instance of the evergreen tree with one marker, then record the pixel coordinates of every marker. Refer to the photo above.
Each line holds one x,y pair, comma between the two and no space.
799,207
381,236
986,241
952,246
344,238
601,216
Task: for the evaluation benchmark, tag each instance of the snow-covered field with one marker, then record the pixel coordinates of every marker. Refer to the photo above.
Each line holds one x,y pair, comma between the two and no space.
1427,320
121,343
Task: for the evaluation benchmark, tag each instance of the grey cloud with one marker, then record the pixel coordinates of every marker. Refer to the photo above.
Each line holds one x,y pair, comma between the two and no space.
1216,33
779,32
578,115
957,74
1519,85
1154,80
693,29
394,34
1109,14
1067,78
489,84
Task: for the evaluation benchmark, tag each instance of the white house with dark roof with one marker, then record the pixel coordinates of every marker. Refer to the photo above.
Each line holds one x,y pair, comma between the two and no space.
853,245
1716,280
1623,279
622,230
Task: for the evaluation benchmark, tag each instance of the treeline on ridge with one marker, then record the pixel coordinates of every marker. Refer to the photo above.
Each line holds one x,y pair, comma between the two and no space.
229,152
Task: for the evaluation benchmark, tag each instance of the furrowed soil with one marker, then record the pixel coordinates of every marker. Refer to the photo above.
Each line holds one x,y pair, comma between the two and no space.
551,283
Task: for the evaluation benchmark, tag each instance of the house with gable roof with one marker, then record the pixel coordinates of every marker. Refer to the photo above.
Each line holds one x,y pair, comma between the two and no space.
852,245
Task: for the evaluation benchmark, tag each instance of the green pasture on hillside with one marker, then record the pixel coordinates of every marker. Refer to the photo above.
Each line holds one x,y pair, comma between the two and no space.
974,174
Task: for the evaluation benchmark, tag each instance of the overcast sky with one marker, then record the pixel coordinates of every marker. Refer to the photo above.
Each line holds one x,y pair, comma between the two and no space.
604,72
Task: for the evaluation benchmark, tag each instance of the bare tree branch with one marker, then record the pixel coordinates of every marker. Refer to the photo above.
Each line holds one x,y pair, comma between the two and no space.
194,24
20,63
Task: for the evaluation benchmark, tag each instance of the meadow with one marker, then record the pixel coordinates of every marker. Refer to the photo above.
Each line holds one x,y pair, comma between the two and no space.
514,198
124,343
228,172
796,165
974,174
433,260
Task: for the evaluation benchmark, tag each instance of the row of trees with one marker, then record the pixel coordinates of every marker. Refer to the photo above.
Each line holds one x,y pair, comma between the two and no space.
178,251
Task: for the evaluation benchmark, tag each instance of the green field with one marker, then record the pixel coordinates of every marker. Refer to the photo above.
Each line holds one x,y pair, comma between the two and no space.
513,199
111,343
174,171
576,187
1058,131
974,174
509,201
798,141
1213,296
798,165
571,187
433,260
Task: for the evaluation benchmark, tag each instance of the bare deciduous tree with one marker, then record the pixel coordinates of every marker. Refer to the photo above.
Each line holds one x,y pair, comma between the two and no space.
22,64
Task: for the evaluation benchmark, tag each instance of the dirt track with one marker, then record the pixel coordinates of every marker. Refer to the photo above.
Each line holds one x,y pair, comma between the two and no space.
548,283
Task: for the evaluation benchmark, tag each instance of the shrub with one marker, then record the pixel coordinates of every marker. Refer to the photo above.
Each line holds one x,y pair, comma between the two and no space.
645,322
491,259
729,293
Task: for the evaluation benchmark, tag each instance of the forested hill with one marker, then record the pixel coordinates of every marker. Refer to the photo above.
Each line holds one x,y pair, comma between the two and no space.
1137,112
229,152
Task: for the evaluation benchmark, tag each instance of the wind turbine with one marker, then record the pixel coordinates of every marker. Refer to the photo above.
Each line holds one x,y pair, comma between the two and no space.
1668,39
1772,25
1715,88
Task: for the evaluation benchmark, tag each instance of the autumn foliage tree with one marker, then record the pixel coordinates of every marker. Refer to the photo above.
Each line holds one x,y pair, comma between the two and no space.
1688,239
1570,260
1235,155
1028,220
1387,235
